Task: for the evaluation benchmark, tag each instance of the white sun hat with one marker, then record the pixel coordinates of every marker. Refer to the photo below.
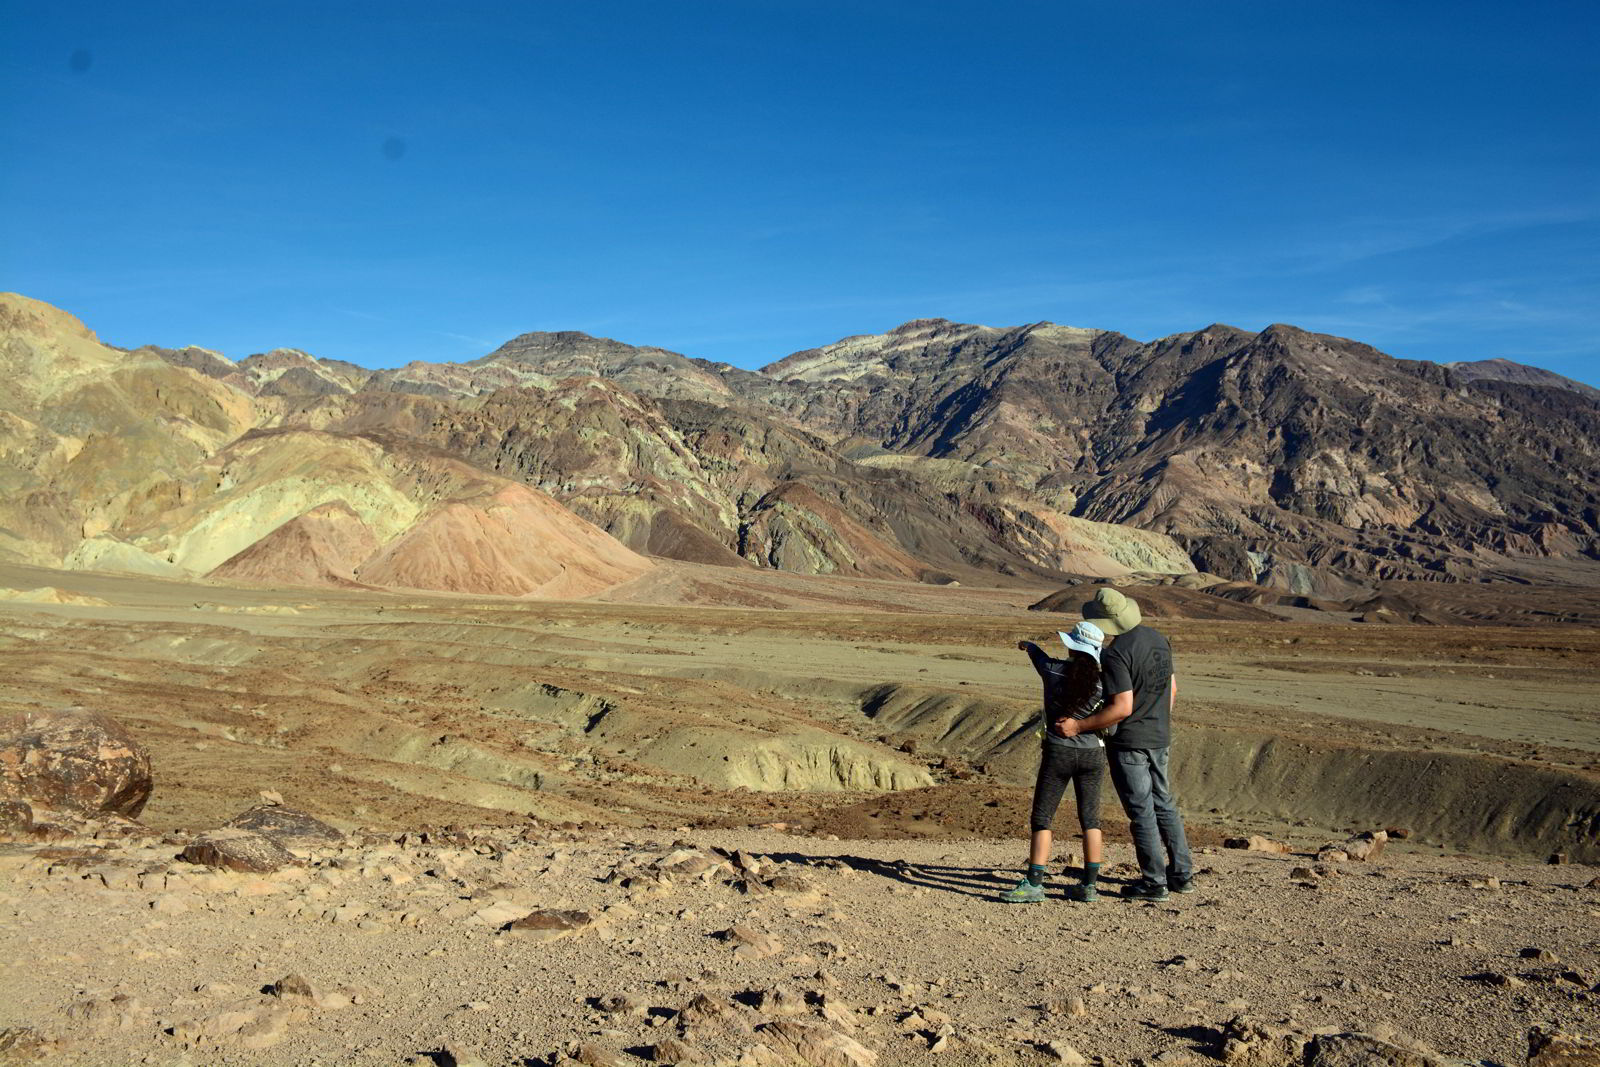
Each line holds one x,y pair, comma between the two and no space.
1085,637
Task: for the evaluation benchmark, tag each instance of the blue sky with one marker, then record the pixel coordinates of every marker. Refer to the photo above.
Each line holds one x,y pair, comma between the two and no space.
739,180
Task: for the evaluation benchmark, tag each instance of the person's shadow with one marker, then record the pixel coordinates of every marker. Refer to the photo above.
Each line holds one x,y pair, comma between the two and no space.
983,883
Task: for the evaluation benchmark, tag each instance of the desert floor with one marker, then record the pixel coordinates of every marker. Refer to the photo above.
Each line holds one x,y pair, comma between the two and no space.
772,716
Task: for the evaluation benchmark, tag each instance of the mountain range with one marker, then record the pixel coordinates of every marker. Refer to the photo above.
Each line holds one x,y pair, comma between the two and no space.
561,464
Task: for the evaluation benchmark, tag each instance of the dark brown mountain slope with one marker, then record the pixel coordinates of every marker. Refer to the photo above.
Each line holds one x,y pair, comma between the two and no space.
1293,459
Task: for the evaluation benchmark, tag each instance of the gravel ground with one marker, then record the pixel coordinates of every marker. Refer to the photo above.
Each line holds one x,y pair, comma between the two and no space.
847,952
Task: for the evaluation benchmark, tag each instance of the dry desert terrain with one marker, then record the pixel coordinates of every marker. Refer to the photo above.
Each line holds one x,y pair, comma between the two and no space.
783,814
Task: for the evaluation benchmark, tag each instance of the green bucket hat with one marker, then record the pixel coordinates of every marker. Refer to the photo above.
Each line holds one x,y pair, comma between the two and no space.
1112,612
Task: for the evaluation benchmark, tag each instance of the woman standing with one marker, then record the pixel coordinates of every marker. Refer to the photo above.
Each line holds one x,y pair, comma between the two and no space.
1072,690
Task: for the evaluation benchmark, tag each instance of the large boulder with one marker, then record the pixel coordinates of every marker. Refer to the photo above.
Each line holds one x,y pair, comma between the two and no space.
73,760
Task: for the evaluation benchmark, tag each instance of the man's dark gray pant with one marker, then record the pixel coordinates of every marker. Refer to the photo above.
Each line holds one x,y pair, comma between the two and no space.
1140,775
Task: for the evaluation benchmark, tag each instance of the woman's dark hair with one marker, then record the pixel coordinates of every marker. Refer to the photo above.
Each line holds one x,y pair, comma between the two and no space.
1078,693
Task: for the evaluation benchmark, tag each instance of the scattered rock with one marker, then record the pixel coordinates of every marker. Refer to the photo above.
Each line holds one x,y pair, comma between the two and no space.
1365,847
1257,843
1064,1053
593,1055
749,943
238,850
121,1012
1508,981
672,1050
1252,1043
286,826
782,1001
688,862
454,1055
248,1024
296,988
1364,1050
1558,1049
622,1004
24,1044
710,1015
815,1044
551,925
1542,955
498,914
1315,873
73,760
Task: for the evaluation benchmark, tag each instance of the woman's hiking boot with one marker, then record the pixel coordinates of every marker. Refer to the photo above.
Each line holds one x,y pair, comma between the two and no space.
1082,894
1024,893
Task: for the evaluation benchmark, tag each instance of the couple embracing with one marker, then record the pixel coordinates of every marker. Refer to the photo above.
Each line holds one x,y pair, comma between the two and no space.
1109,701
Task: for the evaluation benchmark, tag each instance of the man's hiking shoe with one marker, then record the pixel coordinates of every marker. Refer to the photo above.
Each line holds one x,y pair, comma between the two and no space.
1083,894
1025,893
1181,885
1143,890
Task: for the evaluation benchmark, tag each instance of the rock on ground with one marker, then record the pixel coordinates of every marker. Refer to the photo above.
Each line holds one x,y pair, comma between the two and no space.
73,760
287,826
238,850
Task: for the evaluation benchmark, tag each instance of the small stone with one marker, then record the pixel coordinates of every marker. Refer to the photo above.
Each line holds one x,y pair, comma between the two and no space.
1257,843
1506,981
672,1050
782,1001
297,988
592,1055
454,1055
1064,1053
749,943
1366,847
1252,1043
621,1004
551,925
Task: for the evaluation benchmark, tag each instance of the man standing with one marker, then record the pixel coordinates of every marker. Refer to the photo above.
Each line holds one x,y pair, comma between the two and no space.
1140,688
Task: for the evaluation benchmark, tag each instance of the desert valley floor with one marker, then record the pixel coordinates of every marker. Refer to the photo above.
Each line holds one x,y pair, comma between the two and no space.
859,752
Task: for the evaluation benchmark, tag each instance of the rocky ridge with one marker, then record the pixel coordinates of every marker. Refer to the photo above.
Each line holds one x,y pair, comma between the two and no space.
936,452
